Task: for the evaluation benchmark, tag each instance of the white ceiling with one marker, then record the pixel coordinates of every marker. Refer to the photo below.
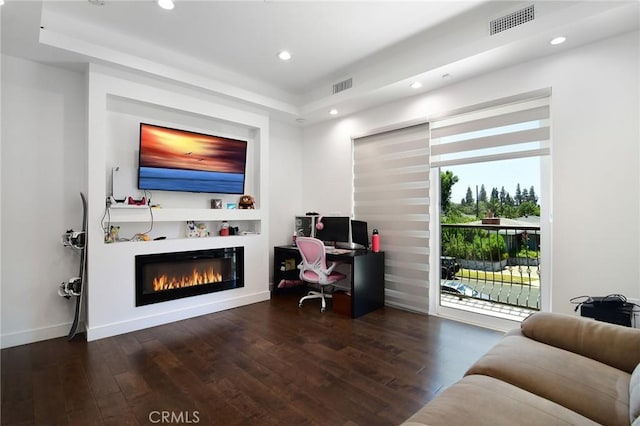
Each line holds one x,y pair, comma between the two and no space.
230,47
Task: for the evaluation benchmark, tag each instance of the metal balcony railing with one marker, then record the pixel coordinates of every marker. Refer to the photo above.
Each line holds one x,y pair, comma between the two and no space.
494,263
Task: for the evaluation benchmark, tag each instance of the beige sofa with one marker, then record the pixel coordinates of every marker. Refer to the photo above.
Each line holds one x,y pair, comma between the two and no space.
555,370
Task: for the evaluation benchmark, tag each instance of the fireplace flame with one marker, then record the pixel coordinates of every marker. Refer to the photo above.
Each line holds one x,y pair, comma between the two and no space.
164,282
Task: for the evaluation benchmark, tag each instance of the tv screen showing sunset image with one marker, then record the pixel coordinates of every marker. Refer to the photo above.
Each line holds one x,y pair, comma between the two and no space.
179,160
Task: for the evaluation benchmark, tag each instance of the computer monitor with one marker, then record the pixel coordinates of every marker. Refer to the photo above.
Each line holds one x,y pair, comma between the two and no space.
335,230
359,235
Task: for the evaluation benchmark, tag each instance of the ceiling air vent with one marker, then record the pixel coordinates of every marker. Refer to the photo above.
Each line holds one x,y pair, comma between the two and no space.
343,85
511,20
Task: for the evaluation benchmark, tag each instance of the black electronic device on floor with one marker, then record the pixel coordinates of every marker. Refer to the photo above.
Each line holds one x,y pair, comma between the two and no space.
613,309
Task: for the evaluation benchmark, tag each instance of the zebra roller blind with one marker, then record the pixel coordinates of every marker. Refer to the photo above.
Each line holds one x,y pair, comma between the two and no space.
515,129
391,193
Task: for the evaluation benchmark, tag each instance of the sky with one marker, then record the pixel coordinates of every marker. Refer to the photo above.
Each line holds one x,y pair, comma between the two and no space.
507,173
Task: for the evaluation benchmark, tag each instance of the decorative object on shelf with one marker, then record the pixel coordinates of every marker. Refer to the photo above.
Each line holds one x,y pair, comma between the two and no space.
137,202
232,206
140,237
191,229
113,235
196,230
216,203
224,229
247,202
201,230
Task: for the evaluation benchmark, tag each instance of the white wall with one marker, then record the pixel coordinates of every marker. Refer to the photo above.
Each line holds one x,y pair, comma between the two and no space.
285,184
595,158
43,170
595,167
327,161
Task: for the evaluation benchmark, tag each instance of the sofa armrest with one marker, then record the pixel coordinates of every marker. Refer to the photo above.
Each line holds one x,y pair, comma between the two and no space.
611,344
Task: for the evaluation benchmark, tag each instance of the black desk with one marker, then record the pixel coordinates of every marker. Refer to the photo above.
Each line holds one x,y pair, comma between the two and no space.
367,275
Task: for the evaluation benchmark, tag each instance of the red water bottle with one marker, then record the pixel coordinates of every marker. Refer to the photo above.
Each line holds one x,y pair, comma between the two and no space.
375,241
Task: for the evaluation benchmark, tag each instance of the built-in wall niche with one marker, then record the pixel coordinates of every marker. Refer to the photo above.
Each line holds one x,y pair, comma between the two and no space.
122,151
113,141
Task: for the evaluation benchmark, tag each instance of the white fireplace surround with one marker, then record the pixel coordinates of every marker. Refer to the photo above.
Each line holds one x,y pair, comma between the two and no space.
117,104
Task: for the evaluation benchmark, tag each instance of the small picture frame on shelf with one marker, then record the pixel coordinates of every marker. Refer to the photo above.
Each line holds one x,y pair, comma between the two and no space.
216,203
232,206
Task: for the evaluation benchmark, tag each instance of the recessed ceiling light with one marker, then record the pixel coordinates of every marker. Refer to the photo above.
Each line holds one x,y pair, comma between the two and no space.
166,4
416,85
1,2
333,112
558,40
284,55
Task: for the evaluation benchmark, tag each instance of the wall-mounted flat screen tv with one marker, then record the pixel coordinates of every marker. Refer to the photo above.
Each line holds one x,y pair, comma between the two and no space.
180,160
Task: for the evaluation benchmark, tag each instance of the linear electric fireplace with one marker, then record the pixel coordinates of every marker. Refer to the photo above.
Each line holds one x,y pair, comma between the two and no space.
167,276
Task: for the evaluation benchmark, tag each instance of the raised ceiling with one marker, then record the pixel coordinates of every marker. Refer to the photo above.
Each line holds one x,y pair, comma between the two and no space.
230,47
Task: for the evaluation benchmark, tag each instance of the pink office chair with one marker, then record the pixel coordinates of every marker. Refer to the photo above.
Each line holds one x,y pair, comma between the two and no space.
313,269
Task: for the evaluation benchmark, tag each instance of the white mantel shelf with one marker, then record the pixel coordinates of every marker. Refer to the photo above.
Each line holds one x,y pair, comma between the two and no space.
179,215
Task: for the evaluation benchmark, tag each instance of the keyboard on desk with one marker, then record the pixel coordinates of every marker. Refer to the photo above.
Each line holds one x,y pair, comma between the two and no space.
334,250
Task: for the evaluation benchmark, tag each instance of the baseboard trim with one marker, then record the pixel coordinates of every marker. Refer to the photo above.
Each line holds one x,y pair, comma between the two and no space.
36,335
114,329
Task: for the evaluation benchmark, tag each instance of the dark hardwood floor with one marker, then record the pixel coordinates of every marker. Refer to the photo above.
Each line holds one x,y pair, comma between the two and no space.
267,363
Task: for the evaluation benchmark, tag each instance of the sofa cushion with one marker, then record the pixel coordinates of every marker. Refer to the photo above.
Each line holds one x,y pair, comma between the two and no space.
634,395
611,344
480,400
588,387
